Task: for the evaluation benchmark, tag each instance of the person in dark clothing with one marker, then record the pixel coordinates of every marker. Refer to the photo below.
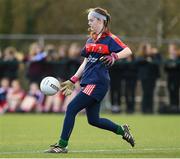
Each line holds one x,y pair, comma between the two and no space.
148,73
9,63
172,69
116,75
35,63
130,79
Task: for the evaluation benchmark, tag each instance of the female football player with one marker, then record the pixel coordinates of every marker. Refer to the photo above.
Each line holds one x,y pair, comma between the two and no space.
101,51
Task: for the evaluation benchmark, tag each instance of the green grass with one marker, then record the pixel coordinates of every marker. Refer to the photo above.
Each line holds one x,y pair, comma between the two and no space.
28,135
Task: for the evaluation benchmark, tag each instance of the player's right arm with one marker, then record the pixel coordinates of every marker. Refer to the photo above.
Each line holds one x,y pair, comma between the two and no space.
80,70
68,86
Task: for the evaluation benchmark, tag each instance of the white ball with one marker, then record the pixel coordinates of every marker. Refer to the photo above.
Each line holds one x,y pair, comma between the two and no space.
49,85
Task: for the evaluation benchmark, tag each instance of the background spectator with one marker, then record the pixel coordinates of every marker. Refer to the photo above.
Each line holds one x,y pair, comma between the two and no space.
51,53
172,68
62,51
148,73
15,96
116,86
9,64
4,88
54,103
9,54
33,100
74,59
130,79
35,59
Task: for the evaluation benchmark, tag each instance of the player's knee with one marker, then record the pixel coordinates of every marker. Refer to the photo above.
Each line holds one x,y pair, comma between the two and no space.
71,110
93,122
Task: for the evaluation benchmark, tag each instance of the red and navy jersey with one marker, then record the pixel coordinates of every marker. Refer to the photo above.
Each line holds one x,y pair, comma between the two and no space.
95,72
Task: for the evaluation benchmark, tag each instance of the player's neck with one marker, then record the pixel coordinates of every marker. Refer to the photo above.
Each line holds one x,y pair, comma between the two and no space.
98,36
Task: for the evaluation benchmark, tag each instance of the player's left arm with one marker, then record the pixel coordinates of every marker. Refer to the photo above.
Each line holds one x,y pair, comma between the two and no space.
118,50
124,53
109,60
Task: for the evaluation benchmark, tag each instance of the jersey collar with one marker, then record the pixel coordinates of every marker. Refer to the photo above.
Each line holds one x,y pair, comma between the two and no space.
103,35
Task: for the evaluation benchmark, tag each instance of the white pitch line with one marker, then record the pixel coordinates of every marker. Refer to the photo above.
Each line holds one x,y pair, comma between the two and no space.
127,150
21,152
147,149
105,151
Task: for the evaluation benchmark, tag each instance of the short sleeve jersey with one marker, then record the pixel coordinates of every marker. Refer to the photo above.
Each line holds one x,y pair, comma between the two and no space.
95,71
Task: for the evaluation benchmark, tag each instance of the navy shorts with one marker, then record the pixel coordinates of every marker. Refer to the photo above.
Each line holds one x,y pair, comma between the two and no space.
96,91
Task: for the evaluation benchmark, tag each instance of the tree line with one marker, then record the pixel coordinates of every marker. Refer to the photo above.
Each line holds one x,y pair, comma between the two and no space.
131,18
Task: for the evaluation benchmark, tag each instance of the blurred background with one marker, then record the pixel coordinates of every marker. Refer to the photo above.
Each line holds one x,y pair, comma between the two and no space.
44,38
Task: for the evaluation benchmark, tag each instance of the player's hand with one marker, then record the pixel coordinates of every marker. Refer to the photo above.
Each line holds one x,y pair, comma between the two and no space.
109,60
67,87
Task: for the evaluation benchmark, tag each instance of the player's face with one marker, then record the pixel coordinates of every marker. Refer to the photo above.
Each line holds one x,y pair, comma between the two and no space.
95,24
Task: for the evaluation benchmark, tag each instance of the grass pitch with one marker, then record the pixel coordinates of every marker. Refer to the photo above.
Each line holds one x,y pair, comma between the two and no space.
29,135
